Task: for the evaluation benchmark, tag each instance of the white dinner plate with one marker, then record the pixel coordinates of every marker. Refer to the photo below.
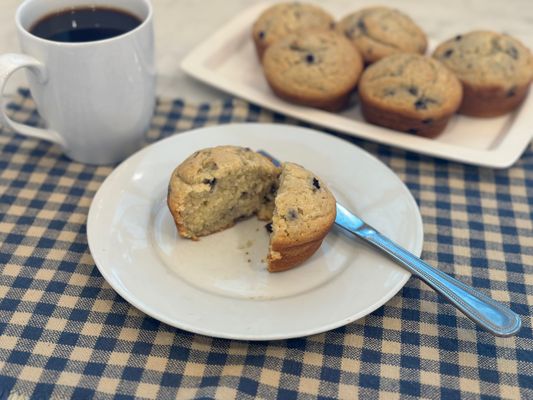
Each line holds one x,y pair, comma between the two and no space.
219,286
227,61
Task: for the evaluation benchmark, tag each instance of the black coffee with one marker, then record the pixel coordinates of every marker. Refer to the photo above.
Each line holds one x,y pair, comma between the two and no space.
85,24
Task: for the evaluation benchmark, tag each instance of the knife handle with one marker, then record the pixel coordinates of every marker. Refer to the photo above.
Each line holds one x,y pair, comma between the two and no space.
486,312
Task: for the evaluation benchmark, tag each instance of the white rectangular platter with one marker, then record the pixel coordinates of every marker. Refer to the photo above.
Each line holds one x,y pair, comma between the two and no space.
227,61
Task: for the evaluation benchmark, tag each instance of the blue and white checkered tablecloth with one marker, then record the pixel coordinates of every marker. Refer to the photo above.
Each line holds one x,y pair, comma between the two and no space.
64,333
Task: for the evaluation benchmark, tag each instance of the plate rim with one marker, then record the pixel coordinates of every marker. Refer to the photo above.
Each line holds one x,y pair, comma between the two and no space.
133,301
507,152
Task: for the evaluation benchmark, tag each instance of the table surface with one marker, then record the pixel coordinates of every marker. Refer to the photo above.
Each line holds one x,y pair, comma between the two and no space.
182,24
65,333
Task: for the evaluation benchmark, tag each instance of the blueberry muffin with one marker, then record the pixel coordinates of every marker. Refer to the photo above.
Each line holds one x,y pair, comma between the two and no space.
381,31
304,213
496,71
284,18
410,93
214,187
314,68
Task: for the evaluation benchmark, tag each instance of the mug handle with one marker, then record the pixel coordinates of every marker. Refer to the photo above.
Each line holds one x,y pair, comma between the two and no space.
9,63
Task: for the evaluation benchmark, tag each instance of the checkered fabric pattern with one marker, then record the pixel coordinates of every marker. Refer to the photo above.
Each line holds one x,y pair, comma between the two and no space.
64,333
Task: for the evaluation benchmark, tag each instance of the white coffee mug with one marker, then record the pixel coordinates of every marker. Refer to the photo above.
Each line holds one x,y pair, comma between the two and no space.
96,97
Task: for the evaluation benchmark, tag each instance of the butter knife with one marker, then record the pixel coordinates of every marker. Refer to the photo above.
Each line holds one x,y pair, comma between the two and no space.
484,311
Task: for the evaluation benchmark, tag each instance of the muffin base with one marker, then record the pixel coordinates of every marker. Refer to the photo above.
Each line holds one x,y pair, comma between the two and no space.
333,104
430,127
293,256
491,101
290,255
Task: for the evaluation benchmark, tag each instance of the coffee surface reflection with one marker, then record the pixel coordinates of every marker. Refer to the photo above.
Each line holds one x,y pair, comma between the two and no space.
85,24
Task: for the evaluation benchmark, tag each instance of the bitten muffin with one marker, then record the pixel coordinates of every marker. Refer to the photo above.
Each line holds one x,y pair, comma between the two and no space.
314,68
214,187
303,215
284,18
496,71
378,32
410,93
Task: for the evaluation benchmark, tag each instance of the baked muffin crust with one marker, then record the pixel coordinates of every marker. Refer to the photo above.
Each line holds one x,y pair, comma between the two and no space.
318,69
378,32
495,70
411,93
284,18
